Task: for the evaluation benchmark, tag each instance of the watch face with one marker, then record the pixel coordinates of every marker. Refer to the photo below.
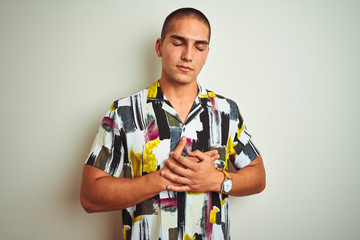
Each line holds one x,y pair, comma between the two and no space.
227,185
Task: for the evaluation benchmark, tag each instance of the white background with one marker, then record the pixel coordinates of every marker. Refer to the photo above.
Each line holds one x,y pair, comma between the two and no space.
292,67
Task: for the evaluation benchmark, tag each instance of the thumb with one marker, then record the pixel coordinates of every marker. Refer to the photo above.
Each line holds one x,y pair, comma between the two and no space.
180,146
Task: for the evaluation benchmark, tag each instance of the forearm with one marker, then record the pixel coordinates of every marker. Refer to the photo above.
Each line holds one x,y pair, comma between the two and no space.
103,192
249,180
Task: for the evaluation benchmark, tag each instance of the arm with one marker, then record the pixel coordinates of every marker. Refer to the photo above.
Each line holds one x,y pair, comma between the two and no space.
203,177
102,192
249,180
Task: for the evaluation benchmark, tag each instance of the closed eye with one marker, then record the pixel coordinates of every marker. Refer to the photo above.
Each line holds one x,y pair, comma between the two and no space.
200,49
201,46
177,40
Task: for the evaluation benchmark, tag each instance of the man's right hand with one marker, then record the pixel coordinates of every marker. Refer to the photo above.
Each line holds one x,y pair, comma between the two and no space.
165,171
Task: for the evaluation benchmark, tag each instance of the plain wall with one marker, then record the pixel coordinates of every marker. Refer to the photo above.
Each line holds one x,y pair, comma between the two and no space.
64,62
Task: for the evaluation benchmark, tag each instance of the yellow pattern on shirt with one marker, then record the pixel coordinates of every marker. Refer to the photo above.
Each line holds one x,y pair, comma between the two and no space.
136,163
187,237
213,215
150,163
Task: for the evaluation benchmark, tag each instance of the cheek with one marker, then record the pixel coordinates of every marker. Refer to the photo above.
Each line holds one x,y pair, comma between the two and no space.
202,60
167,55
170,59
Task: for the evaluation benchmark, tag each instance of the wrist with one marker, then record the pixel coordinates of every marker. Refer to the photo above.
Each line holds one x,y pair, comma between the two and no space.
226,185
160,180
219,180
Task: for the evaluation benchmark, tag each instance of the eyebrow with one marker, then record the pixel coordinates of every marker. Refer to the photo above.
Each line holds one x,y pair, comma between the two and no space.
185,40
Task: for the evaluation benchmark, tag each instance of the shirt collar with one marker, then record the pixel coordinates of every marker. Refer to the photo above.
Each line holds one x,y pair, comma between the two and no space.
204,96
154,92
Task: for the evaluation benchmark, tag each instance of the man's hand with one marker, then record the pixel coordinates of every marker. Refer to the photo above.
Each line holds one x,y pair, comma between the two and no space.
195,173
165,171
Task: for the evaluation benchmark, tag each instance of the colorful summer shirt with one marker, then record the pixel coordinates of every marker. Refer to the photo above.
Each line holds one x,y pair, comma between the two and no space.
137,135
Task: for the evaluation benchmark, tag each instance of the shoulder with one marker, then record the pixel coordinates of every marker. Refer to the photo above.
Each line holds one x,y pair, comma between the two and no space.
223,104
125,113
136,98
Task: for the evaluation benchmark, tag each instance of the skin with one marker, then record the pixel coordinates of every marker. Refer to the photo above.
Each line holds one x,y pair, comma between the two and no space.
102,192
183,51
203,177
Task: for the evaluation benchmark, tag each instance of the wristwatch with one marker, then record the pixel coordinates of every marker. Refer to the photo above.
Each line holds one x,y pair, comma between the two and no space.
226,185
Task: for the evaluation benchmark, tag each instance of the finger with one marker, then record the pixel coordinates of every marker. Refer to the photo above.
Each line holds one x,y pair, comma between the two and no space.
173,163
185,161
164,172
216,157
176,168
183,188
175,178
193,159
202,156
211,153
181,144
198,154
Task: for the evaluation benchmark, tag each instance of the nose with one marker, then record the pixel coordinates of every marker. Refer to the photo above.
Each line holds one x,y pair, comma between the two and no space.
187,54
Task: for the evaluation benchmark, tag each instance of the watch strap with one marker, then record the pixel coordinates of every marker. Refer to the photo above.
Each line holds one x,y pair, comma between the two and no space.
226,177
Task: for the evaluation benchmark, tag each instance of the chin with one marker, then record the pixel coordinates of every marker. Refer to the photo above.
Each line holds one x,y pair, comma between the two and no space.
184,80
180,78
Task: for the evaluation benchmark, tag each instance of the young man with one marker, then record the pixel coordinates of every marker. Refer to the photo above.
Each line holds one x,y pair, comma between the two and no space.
162,155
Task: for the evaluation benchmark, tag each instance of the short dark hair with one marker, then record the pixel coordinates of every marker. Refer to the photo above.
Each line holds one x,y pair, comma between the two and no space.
183,13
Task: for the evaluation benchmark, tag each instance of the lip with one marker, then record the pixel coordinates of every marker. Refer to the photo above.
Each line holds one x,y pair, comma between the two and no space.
184,68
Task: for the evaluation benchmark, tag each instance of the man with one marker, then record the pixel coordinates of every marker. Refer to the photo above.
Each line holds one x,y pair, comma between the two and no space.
162,155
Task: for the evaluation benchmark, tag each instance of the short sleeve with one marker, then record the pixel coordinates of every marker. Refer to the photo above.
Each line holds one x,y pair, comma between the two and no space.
107,151
243,150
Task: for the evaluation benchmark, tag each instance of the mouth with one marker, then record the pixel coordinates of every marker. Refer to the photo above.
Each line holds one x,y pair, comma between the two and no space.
184,68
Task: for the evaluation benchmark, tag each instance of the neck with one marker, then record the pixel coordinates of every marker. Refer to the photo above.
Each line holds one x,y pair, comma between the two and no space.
185,92
181,96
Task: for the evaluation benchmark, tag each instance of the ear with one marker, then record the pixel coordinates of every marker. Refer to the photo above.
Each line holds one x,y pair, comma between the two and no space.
158,45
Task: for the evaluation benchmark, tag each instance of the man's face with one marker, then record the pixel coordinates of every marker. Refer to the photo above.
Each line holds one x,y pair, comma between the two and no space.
184,50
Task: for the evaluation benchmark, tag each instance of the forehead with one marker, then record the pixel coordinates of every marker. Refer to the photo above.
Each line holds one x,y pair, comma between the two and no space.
189,27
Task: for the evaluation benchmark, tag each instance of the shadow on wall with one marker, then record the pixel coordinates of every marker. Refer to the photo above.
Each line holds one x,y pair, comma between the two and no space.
152,70
116,227
108,222
152,63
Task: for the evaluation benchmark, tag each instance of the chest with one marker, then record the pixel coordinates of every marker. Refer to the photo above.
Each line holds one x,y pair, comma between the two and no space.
150,142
